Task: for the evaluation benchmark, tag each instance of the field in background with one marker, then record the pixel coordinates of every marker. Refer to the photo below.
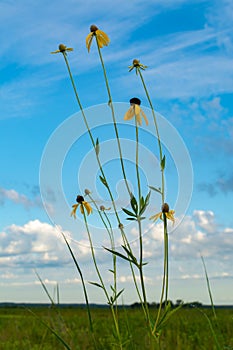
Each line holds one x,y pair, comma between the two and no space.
188,329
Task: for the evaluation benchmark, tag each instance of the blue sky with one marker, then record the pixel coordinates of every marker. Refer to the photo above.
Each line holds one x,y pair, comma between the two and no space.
188,48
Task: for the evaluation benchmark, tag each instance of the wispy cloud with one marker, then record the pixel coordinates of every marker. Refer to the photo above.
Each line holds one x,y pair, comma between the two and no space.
19,198
223,184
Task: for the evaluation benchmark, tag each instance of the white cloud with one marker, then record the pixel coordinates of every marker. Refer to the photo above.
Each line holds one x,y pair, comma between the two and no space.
31,245
195,235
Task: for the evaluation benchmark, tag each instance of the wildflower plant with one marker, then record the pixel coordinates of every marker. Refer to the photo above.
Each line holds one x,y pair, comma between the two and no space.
136,211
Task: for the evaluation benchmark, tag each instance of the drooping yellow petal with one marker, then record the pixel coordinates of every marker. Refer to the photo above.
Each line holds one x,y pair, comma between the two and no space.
156,216
89,39
87,207
81,208
137,110
73,213
129,114
144,116
103,37
57,51
170,215
100,42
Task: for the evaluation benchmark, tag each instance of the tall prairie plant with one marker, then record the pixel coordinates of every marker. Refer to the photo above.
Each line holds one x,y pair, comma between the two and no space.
155,321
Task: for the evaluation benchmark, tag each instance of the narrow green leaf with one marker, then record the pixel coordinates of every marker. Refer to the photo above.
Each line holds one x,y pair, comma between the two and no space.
155,189
119,293
145,203
131,219
147,198
130,254
51,330
113,289
142,202
134,205
96,284
104,182
168,312
163,163
119,254
97,147
128,212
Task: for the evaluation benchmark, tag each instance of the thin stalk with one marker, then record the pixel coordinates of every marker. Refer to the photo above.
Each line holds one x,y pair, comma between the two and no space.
113,257
66,346
165,275
157,133
218,346
90,134
94,146
133,273
100,278
166,257
209,289
104,218
83,283
78,99
137,167
146,310
113,117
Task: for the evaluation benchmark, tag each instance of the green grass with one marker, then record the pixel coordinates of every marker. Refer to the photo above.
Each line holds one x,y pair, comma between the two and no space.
188,329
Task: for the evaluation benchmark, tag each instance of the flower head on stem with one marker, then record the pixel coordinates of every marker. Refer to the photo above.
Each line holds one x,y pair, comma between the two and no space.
102,38
135,111
102,208
83,204
63,49
166,211
137,65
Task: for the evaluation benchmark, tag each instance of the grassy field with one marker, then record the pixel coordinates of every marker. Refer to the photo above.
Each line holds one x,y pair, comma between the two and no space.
188,329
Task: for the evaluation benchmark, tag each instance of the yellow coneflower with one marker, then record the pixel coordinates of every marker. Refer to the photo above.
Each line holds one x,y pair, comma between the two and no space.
63,49
135,111
83,204
165,210
102,38
137,65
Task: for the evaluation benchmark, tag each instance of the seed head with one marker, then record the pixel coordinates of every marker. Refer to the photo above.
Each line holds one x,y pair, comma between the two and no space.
165,208
93,28
135,101
62,47
79,199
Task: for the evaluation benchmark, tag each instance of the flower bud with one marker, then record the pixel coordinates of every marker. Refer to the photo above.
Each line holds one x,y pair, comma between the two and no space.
86,191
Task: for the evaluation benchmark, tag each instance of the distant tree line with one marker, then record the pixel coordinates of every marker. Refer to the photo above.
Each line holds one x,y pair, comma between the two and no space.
178,302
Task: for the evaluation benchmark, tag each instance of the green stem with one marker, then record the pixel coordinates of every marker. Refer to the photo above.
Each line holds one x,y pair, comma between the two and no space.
104,218
100,278
137,168
157,133
78,99
90,134
165,274
209,289
82,280
114,118
146,310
